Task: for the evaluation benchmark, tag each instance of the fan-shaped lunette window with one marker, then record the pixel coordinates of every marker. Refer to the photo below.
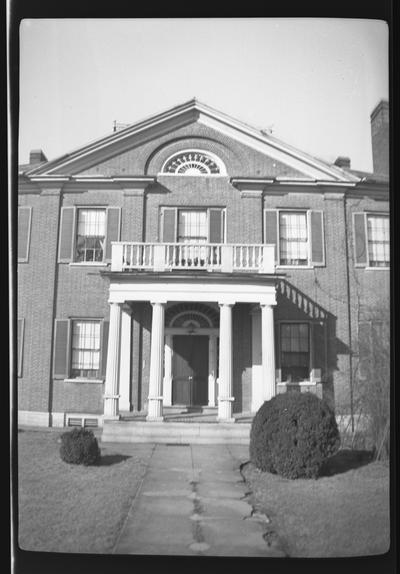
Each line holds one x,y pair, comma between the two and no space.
194,162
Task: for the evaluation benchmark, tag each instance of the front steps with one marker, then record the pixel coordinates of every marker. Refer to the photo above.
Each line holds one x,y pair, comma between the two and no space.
176,432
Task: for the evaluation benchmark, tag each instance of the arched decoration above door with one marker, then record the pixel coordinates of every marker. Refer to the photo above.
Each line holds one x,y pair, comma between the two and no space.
183,314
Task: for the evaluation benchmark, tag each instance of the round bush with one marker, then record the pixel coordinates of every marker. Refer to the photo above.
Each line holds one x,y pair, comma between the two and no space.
80,446
292,434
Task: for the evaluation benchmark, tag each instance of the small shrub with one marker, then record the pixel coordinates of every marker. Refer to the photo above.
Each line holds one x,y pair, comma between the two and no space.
293,434
80,446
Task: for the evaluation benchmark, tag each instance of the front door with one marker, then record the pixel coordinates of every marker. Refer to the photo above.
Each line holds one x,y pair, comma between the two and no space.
190,370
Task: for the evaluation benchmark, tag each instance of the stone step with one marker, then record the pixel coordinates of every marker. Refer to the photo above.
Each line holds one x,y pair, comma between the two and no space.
176,432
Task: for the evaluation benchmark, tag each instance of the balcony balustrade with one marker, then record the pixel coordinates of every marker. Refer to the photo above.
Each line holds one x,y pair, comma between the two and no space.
217,257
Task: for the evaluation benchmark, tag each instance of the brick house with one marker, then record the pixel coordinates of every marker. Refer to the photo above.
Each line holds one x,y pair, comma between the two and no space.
191,262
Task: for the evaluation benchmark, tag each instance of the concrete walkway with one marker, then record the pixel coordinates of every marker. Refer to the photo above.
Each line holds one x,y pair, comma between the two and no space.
191,502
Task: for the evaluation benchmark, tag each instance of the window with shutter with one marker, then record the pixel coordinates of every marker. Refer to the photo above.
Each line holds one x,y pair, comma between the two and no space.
24,232
294,345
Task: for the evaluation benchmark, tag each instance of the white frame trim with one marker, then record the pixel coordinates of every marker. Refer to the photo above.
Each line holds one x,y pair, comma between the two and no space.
210,154
178,208
70,379
367,214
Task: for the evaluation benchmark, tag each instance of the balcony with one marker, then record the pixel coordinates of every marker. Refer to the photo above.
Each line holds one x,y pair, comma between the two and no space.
212,257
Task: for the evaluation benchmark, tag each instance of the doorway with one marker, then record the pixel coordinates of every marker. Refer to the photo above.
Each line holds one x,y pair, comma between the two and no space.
190,370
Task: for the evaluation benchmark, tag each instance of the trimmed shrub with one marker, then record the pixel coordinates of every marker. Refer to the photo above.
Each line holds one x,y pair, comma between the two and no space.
293,434
80,446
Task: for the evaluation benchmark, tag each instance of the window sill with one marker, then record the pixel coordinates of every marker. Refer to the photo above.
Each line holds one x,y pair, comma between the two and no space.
82,380
88,264
295,266
377,268
301,384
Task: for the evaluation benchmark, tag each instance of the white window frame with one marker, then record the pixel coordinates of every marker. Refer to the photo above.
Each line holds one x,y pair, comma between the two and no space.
307,212
81,379
79,208
366,216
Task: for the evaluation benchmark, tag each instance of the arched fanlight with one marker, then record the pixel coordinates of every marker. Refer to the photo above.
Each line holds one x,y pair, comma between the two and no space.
194,162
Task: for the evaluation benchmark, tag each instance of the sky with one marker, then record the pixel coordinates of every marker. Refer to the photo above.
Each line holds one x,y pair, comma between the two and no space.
313,81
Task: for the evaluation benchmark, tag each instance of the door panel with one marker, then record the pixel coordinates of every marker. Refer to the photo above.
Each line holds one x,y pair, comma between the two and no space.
190,370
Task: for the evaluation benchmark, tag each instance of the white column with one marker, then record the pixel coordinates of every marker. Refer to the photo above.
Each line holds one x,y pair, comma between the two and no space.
212,369
167,394
111,395
257,394
268,351
225,398
125,360
156,363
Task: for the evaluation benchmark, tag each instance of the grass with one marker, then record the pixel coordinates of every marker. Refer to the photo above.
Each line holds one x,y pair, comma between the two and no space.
73,508
343,513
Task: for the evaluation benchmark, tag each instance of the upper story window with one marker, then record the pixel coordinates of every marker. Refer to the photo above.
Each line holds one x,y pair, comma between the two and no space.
86,234
293,238
298,236
378,240
90,235
194,162
192,225
371,240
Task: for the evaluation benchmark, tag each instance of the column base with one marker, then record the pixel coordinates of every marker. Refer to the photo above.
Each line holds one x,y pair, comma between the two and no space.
150,419
231,420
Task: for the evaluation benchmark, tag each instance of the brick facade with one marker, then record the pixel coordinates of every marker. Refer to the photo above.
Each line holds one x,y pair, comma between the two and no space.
49,290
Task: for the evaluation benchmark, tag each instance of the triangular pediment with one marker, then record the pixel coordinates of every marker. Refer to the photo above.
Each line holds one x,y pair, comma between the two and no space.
142,148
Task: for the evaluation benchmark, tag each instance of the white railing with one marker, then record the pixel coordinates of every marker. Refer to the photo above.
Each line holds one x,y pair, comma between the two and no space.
226,258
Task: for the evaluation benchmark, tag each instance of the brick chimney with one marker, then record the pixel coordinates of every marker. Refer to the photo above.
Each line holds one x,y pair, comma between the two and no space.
343,161
36,156
380,138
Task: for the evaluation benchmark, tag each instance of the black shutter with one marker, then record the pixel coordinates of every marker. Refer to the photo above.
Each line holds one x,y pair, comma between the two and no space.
20,345
61,348
271,229
104,348
113,229
24,230
168,225
67,226
360,239
317,238
216,229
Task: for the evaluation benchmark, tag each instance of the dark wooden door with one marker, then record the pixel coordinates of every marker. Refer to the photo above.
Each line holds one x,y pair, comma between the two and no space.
190,370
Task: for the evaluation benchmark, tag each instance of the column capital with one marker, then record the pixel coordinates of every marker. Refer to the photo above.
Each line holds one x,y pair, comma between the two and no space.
226,304
161,302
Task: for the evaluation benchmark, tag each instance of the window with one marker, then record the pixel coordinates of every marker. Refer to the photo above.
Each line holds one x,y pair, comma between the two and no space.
295,352
85,352
86,234
297,235
293,239
194,162
192,226
90,236
24,232
378,240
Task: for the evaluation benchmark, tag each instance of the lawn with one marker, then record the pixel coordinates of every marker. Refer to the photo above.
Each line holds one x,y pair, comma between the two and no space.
344,513
73,508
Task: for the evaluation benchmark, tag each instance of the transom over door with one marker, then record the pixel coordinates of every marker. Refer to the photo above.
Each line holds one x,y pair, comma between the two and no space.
190,370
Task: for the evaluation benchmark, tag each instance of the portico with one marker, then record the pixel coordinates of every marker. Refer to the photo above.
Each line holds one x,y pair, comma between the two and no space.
170,329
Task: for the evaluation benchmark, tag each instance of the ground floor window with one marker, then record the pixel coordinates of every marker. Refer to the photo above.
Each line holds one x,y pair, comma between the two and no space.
295,352
85,349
